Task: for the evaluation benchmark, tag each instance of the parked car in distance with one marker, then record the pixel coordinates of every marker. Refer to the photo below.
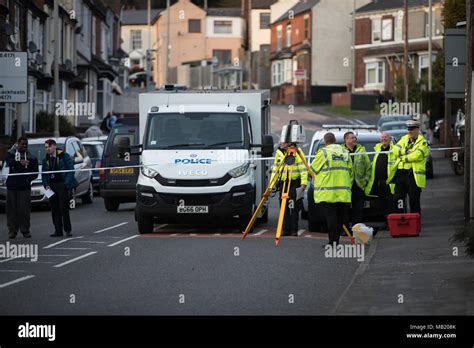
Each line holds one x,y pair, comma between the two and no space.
95,150
118,186
73,146
392,118
101,138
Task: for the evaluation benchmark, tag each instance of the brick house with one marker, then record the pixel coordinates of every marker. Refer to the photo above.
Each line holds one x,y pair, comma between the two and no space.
290,50
379,43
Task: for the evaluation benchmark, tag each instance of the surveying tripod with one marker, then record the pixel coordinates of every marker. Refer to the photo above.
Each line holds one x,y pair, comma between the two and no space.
285,167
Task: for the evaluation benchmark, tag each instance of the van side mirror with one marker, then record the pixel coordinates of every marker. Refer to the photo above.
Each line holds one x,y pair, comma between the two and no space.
267,145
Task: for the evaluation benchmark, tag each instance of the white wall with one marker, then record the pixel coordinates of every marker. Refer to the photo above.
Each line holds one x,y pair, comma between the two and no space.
237,26
258,36
126,45
331,42
280,7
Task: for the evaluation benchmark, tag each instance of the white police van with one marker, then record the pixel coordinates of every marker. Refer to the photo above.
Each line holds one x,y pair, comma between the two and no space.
196,150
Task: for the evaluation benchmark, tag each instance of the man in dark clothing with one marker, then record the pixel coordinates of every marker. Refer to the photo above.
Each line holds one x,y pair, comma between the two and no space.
61,184
19,160
382,163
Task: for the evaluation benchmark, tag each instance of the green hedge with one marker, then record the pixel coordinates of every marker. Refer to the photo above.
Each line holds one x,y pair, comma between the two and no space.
45,123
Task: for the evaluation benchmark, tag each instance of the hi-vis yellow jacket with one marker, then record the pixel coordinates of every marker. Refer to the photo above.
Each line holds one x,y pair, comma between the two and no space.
333,168
361,166
299,170
390,163
413,157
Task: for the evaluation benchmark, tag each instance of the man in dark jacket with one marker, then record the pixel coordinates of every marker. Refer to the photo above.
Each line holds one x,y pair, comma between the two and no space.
61,184
20,160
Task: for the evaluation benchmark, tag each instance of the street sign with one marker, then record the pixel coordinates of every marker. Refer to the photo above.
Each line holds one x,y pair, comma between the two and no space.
300,74
13,77
455,63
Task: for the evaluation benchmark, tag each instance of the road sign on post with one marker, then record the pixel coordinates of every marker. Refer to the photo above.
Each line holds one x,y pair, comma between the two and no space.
13,77
300,74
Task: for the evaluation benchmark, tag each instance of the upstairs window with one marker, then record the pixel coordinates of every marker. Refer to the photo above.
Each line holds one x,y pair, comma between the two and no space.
222,27
264,20
194,25
376,29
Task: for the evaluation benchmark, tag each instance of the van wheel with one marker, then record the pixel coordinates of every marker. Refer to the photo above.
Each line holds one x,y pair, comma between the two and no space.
263,219
244,221
111,204
145,223
87,197
314,225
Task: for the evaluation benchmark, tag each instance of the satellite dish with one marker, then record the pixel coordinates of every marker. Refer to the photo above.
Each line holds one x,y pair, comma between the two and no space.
39,59
9,29
68,64
32,47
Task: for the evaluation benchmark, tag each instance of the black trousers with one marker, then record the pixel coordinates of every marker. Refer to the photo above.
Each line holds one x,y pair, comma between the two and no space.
357,210
60,208
335,215
405,184
292,210
18,211
385,197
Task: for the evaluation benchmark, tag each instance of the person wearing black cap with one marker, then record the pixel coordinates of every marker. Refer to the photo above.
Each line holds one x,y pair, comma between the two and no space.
409,171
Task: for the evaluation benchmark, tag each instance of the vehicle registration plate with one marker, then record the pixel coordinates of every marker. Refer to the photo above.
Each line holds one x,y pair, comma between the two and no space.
193,209
122,171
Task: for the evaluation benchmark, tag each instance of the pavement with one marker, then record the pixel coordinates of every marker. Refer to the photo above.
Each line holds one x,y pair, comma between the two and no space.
431,277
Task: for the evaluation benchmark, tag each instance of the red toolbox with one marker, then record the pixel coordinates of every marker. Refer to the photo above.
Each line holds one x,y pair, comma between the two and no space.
404,225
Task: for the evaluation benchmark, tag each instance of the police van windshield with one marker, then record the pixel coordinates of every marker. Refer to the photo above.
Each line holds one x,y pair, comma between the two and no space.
196,131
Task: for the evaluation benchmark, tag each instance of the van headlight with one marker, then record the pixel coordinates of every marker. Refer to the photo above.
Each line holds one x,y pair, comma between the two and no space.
148,172
239,171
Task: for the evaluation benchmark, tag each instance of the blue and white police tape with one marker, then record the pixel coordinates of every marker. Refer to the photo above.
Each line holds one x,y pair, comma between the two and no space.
236,161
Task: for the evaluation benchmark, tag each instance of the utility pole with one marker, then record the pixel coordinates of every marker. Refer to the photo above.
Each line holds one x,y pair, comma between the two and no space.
56,65
405,49
148,60
430,45
468,136
168,41
353,45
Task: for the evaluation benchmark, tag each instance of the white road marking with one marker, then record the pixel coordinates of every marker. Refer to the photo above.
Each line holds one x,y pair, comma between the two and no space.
193,234
75,259
32,262
174,234
4,285
309,236
300,232
123,240
217,234
259,233
88,241
71,248
60,242
11,258
54,255
160,226
109,228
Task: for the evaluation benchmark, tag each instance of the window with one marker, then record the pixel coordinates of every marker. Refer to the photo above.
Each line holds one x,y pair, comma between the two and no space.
264,20
287,70
222,27
374,73
277,77
194,25
306,28
136,39
427,24
423,65
376,28
223,56
387,29
279,36
282,72
399,28
288,35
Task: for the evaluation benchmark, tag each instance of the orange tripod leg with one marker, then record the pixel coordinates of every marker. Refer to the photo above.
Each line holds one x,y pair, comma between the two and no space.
284,197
